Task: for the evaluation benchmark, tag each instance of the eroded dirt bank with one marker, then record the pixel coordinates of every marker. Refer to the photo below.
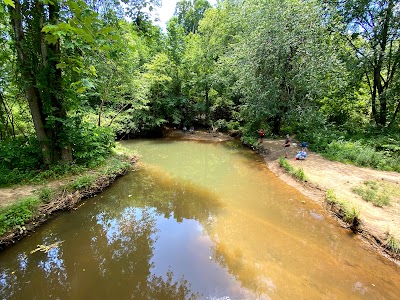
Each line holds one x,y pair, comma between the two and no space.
63,199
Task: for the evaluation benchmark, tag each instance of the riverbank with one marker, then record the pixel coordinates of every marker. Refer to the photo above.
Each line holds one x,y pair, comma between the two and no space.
379,226
24,208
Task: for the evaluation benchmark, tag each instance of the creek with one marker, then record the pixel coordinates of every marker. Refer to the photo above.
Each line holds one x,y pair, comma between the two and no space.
196,220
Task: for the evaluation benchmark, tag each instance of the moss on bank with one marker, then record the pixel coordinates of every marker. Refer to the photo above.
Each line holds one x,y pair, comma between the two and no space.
21,217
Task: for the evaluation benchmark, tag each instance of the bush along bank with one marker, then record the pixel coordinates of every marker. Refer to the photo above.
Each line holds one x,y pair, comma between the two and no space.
22,217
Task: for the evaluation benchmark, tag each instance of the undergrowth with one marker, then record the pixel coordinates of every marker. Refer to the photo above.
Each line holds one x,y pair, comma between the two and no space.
24,210
366,147
392,244
18,214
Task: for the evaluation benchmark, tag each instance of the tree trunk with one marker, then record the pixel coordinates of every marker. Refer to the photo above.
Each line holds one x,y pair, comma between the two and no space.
28,83
64,149
41,79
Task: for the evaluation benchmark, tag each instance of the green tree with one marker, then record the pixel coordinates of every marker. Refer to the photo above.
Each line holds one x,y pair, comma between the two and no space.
190,13
372,29
41,78
283,60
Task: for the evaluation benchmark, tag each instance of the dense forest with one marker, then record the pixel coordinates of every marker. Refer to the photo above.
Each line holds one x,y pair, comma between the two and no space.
78,75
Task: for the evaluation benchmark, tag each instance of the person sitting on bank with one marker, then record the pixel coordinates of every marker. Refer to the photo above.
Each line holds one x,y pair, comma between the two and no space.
301,155
184,129
286,145
191,130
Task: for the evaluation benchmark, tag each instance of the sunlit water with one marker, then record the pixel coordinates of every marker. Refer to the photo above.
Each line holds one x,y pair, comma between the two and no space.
196,220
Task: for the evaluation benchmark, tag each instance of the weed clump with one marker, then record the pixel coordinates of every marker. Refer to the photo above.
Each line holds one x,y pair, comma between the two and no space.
392,244
347,211
82,182
378,193
297,173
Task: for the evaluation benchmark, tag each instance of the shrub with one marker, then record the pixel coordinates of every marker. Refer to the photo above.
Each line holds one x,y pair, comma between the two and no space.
20,153
90,144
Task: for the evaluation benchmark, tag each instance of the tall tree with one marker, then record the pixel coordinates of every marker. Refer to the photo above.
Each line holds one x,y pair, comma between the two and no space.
41,79
372,28
282,59
190,13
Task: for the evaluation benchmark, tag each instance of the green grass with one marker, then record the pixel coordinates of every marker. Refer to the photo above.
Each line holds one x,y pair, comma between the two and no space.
351,214
392,244
297,173
362,155
18,214
45,194
376,192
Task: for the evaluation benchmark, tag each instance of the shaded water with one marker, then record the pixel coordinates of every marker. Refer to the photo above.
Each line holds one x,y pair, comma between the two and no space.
196,220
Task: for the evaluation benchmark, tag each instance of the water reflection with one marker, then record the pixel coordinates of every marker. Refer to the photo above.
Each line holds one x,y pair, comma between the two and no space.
106,252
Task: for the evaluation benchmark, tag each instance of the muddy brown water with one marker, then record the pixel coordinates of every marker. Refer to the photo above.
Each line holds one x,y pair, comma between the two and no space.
196,221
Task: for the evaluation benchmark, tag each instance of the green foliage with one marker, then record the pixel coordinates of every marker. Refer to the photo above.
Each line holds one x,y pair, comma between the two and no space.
331,196
392,244
351,214
20,158
249,140
17,214
45,194
295,172
81,182
20,153
91,144
362,155
115,166
285,164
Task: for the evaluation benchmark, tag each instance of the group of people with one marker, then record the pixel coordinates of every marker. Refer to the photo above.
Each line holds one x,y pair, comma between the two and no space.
301,154
286,145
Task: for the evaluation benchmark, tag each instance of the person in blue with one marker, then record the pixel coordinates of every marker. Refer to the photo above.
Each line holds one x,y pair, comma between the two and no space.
301,155
304,146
